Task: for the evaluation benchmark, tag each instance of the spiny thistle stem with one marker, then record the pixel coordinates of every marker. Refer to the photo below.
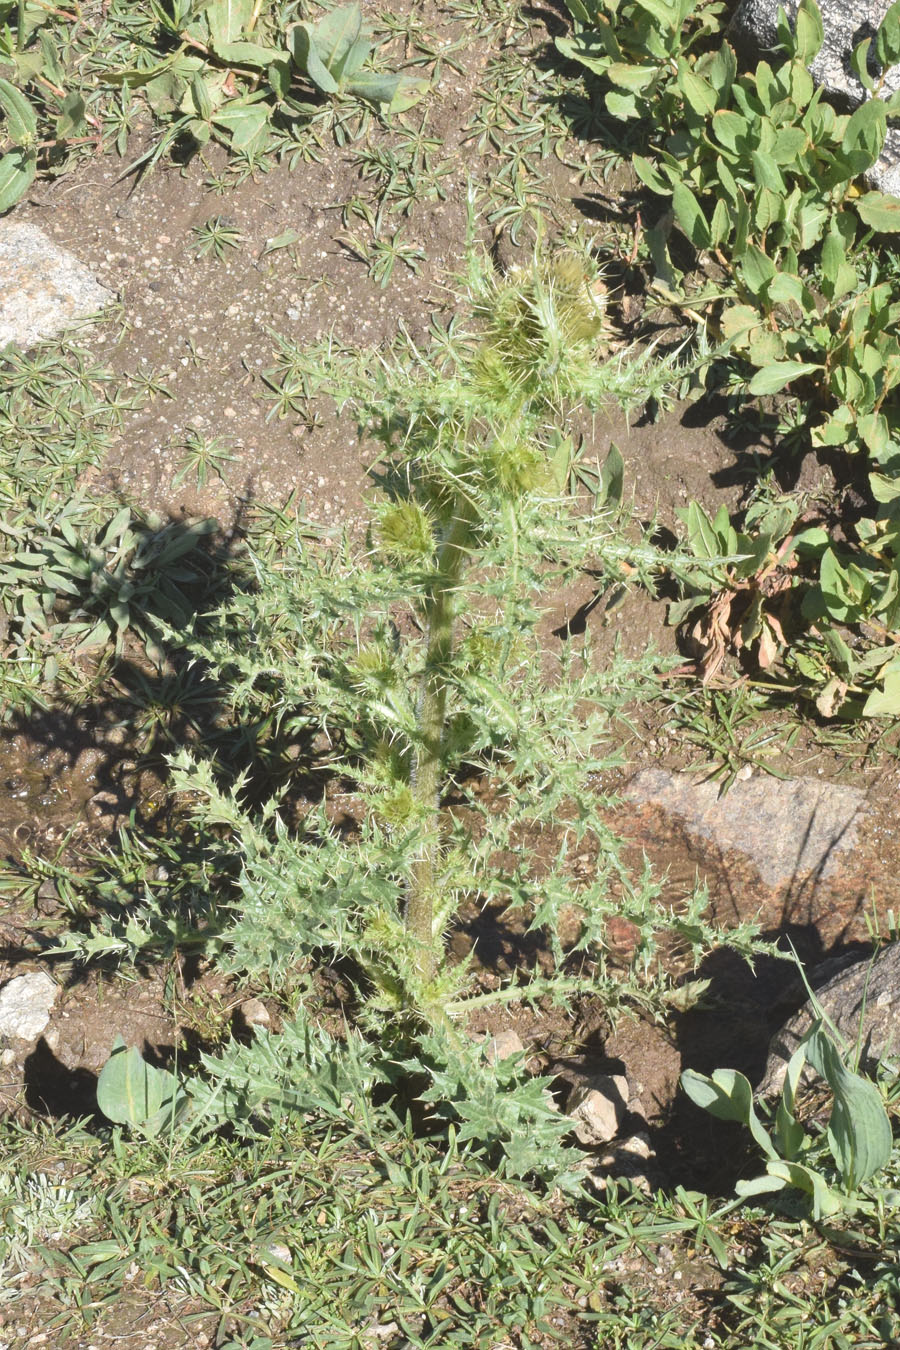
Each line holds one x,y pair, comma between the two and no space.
426,776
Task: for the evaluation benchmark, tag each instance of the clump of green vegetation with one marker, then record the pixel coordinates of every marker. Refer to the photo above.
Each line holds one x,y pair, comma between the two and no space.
242,73
758,171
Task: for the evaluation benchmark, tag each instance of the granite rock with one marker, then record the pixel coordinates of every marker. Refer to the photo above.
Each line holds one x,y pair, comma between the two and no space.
43,288
846,23
788,828
25,1005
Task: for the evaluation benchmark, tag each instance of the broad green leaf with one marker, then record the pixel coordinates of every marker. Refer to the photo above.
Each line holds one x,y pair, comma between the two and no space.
664,12
786,288
790,144
410,91
129,1090
650,177
247,54
728,127
887,39
279,75
689,215
21,119
308,61
244,118
885,702
612,478
200,99
701,533
720,226
623,106
586,48
764,1185
776,376
765,172
864,135
700,95
227,20
71,117
633,78
879,212
859,1132
769,208
825,1201
721,70
808,31
337,38
374,88
727,1095
757,270
17,172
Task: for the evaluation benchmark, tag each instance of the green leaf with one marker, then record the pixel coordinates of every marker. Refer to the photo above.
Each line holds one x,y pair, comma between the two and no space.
339,43
757,270
129,1090
879,212
776,376
727,1096
227,19
587,49
612,478
825,1201
809,33
701,534
650,177
633,78
864,135
885,702
17,172
21,119
375,88
728,127
689,215
308,61
887,39
623,106
699,94
859,1132
246,54
71,117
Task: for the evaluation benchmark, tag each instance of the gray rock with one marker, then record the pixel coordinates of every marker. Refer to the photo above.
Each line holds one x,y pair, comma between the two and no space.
846,23
597,1108
788,828
25,1005
849,991
43,288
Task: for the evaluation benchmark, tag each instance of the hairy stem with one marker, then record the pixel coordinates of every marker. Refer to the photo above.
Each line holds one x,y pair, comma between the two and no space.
426,777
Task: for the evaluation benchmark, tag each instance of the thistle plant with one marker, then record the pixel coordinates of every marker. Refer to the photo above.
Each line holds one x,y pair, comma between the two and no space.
410,668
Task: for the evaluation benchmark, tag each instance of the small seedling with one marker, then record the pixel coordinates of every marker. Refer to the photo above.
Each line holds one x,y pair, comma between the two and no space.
203,456
218,236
